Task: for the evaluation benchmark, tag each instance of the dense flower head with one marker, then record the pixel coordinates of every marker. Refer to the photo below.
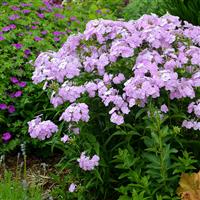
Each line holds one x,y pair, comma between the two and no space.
76,112
41,129
86,163
163,48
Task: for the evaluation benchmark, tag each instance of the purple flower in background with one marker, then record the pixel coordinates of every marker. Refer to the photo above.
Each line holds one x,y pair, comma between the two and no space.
65,138
42,8
44,32
12,95
1,32
98,11
11,109
18,93
36,38
34,27
20,34
4,3
3,106
72,187
6,136
22,84
1,38
14,17
40,15
164,108
56,39
59,16
26,11
17,46
6,28
15,8
86,163
68,31
12,26
57,33
27,52
25,4
14,80
72,18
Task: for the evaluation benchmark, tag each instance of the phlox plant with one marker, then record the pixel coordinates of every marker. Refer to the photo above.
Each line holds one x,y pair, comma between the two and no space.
26,29
126,86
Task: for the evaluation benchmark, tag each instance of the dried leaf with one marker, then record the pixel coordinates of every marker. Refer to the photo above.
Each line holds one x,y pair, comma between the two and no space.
189,186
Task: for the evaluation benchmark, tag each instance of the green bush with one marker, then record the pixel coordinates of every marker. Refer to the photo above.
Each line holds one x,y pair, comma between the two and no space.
136,8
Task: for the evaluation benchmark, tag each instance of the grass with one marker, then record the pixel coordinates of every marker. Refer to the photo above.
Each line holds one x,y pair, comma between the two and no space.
12,189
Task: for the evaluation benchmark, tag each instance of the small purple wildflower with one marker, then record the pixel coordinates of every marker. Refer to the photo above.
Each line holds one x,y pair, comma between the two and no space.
15,8
40,15
6,28
57,33
73,18
17,46
98,11
14,80
22,84
34,27
12,26
11,109
25,4
44,32
14,17
4,3
18,93
3,106
26,11
6,136
59,16
12,95
37,39
56,39
1,38
27,51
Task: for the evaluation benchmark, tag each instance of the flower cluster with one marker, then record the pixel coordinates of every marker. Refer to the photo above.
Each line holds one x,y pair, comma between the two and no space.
86,163
75,113
41,129
193,108
167,59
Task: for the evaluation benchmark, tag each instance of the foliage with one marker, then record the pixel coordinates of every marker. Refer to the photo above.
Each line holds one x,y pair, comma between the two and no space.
38,28
136,8
188,10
